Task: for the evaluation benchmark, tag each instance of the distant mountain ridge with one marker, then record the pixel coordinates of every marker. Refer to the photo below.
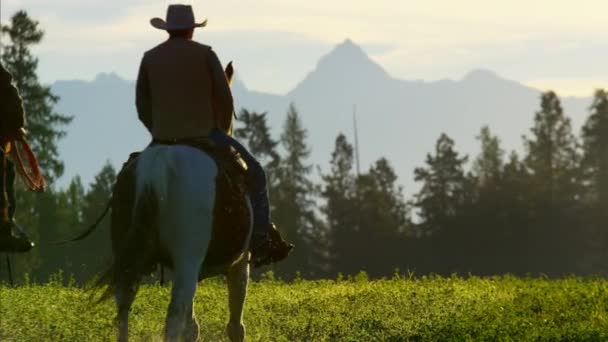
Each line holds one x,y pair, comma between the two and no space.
398,119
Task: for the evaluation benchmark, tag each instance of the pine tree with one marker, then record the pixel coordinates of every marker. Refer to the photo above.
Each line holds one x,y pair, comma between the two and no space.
294,202
253,130
92,252
73,198
595,146
495,224
488,165
595,174
256,133
69,207
443,186
515,248
340,206
45,127
552,153
386,198
383,221
554,188
36,212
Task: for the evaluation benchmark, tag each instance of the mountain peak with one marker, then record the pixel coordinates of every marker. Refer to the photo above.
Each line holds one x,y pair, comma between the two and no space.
350,46
347,51
348,57
110,77
481,75
345,63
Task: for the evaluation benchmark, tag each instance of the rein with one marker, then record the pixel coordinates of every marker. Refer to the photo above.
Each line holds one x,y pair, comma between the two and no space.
88,231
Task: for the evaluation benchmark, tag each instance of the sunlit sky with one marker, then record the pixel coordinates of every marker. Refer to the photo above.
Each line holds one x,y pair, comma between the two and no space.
558,44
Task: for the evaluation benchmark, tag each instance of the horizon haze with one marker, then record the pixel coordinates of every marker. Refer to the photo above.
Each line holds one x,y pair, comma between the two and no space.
388,109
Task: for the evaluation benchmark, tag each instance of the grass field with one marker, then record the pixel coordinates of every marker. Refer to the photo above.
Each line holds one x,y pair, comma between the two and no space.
421,309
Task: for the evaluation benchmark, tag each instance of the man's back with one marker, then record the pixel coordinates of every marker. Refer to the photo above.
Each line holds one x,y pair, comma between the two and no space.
178,90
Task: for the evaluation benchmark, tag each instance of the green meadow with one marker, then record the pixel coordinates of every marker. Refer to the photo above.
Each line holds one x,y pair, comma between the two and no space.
355,309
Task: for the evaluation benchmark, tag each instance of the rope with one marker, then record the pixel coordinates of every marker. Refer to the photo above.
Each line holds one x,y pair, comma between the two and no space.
33,177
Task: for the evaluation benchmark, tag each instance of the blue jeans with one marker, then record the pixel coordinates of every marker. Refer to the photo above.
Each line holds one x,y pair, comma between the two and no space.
256,177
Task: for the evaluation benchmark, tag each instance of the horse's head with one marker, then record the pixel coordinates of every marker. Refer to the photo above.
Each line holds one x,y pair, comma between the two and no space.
229,72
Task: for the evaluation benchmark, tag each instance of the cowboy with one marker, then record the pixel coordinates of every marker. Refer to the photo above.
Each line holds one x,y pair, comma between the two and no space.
182,93
12,121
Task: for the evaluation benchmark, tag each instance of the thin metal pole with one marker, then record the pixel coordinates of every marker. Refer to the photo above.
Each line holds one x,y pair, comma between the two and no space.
356,140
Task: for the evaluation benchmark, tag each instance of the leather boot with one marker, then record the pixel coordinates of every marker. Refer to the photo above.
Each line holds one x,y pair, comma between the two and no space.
269,248
11,242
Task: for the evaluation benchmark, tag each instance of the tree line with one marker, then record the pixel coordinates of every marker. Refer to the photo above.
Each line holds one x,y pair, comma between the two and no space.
542,212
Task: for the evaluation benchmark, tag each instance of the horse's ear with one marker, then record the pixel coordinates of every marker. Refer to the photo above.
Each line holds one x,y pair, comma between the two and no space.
229,72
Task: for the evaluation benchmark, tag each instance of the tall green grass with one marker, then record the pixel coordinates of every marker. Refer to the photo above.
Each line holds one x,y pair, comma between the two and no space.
412,309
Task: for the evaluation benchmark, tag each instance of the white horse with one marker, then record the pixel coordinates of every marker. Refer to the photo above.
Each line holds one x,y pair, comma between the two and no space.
175,200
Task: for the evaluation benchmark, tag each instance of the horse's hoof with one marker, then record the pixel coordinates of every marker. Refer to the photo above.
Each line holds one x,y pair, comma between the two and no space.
235,332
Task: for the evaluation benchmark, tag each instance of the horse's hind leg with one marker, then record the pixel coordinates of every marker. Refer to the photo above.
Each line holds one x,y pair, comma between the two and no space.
181,323
237,278
124,299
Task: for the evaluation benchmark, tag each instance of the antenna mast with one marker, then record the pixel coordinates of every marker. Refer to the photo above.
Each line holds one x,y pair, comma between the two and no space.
356,140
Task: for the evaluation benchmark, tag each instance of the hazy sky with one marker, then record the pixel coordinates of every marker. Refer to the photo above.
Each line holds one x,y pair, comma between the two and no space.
559,44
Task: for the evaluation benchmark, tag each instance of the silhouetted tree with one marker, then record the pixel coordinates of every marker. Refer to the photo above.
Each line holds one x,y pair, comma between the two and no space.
552,153
484,231
44,125
70,203
443,185
595,174
595,145
253,130
340,207
256,133
440,203
383,221
90,254
553,163
293,198
488,165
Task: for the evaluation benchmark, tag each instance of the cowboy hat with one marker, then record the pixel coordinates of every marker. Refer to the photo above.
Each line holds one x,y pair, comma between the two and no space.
179,17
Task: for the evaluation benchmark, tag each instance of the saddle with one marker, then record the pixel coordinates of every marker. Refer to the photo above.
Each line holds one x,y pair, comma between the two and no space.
231,213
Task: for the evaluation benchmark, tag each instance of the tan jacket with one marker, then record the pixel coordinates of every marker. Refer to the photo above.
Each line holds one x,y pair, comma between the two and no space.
182,91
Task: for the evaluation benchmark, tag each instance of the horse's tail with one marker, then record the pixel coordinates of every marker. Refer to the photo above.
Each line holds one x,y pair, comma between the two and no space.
136,252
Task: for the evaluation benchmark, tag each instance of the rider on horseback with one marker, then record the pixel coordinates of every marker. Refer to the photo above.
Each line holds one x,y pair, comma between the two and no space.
12,120
182,93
